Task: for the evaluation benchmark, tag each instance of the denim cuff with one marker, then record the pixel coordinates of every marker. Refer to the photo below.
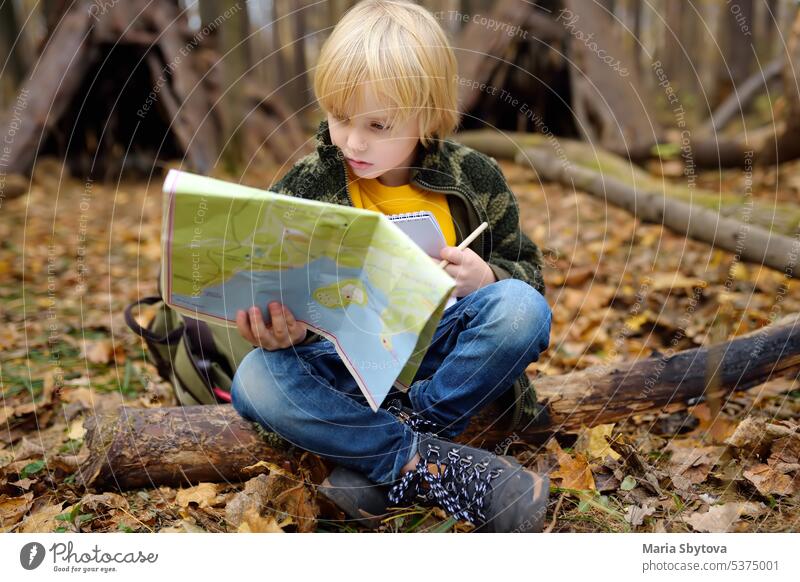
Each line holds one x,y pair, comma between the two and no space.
414,445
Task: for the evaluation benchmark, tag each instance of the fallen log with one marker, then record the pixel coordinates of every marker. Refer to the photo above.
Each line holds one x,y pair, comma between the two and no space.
777,217
148,447
671,382
750,242
169,446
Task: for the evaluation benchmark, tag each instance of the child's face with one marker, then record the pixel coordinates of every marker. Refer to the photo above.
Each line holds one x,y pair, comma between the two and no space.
365,136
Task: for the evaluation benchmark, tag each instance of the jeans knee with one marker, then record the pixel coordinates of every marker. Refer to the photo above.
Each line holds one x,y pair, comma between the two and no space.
254,392
528,316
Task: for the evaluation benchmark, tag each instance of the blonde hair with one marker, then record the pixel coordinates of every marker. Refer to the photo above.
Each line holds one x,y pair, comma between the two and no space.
402,52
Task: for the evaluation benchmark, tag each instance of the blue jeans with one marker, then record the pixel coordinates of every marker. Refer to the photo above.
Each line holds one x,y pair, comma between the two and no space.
306,394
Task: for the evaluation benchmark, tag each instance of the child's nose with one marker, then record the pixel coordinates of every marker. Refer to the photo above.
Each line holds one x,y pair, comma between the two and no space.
355,142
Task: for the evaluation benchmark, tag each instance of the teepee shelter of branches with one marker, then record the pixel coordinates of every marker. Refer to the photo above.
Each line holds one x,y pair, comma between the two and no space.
129,83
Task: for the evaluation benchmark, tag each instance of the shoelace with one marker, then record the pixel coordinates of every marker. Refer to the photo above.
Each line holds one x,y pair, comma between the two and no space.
450,485
413,420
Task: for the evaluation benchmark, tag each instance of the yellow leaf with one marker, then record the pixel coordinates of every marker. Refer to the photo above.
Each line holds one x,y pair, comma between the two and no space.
76,430
663,281
739,272
255,523
104,352
272,467
635,322
204,494
592,441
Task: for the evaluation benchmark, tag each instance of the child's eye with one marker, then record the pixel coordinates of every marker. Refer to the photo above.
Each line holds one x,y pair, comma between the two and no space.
379,126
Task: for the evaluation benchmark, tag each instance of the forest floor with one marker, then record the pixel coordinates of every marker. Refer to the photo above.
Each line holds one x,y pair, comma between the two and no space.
74,254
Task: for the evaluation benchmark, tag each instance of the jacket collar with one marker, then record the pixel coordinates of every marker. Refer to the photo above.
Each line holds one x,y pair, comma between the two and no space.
430,165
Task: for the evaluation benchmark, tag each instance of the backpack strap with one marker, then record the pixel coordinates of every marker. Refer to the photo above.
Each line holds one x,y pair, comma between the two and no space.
169,338
203,350
198,347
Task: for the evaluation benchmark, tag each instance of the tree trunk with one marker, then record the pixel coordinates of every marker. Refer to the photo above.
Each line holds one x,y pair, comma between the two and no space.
786,145
234,39
14,50
737,57
171,446
48,91
481,50
608,100
743,94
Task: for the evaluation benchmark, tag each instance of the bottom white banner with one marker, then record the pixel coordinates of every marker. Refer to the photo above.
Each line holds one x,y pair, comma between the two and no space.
398,556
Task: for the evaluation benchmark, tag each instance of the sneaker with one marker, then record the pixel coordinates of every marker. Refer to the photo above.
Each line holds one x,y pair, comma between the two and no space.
361,500
495,493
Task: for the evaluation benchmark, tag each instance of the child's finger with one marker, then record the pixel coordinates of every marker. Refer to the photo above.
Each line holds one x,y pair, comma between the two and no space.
289,317
260,330
452,254
243,325
278,322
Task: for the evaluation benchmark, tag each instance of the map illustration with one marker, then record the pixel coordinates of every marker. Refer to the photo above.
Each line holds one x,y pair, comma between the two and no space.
349,274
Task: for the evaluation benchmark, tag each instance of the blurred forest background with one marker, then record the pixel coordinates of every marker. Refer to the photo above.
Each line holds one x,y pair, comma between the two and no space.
118,85
653,148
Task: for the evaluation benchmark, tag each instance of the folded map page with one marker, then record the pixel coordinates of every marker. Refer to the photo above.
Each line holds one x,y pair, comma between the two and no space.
349,274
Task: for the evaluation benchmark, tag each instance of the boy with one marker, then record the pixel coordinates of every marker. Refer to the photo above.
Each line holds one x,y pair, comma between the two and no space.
387,82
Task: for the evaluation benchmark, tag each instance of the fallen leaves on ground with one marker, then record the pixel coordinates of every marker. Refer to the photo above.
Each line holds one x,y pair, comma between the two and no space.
721,518
270,501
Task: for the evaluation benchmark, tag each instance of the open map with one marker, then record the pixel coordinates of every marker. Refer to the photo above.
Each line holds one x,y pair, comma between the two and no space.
349,274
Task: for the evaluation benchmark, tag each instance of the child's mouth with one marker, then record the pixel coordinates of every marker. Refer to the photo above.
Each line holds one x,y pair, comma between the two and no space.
358,164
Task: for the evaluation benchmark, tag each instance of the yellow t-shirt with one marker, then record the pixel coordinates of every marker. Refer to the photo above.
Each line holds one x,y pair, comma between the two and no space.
372,195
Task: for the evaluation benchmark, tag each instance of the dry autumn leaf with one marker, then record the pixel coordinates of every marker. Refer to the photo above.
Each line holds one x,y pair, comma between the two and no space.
635,515
690,464
12,509
43,520
277,494
768,481
204,495
750,434
720,518
255,523
76,429
573,472
670,281
103,351
592,441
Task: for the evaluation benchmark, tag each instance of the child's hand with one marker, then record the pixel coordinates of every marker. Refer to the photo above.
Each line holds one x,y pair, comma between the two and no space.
283,331
469,270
